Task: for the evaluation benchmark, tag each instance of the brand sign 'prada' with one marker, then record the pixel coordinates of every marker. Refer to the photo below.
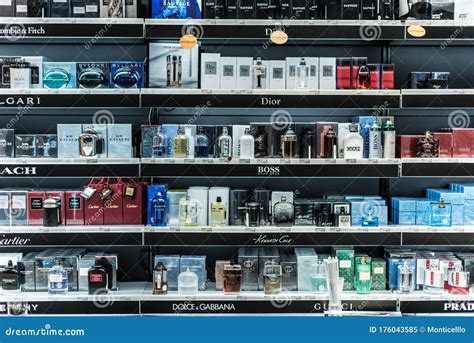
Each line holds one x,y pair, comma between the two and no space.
13,171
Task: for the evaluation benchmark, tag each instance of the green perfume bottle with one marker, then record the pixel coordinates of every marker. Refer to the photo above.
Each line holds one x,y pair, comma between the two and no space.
363,280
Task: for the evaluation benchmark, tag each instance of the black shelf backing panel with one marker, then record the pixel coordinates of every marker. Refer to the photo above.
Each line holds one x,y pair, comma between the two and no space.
69,170
69,239
437,169
445,307
438,101
105,307
439,238
433,32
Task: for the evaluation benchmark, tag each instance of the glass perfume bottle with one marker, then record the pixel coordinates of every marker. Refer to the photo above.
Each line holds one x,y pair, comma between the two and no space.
330,144
92,78
88,143
375,141
51,214
261,141
389,137
353,143
308,144
188,212
159,143
259,74
173,71
363,280
302,71
126,77
317,275
202,144
252,214
458,281
440,213
433,281
406,278
363,77
428,146
232,279
10,278
187,282
158,208
58,282
181,143
98,280
160,279
370,220
283,213
247,145
218,213
272,278
225,144
289,144
56,78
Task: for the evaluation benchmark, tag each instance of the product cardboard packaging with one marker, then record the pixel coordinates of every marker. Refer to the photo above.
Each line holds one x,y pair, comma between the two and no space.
35,207
228,74
113,205
133,212
68,140
93,211
74,208
406,146
445,143
210,70
19,209
62,212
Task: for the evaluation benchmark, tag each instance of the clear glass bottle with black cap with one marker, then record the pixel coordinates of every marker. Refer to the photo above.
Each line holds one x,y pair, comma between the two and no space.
224,144
173,70
58,281
283,212
10,278
218,213
302,73
159,143
201,144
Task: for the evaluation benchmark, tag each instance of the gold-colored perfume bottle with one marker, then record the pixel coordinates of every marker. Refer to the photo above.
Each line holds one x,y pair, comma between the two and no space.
181,143
218,213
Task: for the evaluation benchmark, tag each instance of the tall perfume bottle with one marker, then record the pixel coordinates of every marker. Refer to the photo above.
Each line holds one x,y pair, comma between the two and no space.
173,71
160,279
247,145
440,213
181,143
232,279
188,282
458,281
427,146
188,212
317,276
389,140
433,281
375,141
224,144
202,144
363,280
272,278
330,144
406,278
252,214
302,72
363,77
10,278
353,143
218,213
259,74
289,144
308,144
58,282
261,141
159,143
283,213
158,207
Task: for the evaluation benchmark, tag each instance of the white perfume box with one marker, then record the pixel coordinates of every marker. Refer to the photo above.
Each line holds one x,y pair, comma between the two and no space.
223,193
237,132
68,140
190,131
210,70
277,75
244,72
327,73
119,138
463,10
291,64
342,132
313,78
201,195
228,72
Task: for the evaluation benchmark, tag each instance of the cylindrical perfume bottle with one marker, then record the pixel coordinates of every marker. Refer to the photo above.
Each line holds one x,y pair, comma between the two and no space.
317,276
158,208
51,207
263,197
20,75
218,213
272,278
406,278
160,279
289,144
302,73
188,282
389,140
375,141
247,145
458,281
224,144
202,144
232,279
433,281
58,282
330,144
307,148
181,144
252,214
237,207
259,75
173,71
159,143
188,212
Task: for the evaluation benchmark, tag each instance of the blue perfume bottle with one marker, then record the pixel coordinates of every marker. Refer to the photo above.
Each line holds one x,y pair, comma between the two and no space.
158,208
56,78
126,78
370,220
440,213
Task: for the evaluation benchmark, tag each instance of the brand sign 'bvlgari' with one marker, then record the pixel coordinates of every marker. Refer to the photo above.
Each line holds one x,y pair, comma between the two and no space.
13,171
20,101
264,239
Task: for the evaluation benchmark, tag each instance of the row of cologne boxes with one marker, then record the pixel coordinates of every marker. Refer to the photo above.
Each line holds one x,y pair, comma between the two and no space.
69,8
176,264
226,72
37,72
34,267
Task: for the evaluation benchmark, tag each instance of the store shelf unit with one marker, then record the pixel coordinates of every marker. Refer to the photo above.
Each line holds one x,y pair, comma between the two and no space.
437,98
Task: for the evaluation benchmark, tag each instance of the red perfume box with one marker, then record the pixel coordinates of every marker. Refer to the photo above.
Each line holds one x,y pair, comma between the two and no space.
62,211
35,207
406,146
113,205
445,143
463,140
93,208
133,208
74,208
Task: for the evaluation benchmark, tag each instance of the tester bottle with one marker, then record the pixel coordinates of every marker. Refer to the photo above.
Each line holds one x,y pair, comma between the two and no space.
389,140
375,141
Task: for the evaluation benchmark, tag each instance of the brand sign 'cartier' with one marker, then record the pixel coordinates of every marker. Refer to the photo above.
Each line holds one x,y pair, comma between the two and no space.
268,170
4,240
20,101
12,171
264,239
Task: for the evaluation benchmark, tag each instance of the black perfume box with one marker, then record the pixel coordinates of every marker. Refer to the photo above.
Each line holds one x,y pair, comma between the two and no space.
93,8
284,9
323,213
25,145
442,10
304,211
263,134
300,9
21,8
307,145
334,9
261,8
5,63
46,145
350,9
276,137
7,143
102,67
289,270
368,9
219,9
209,9
78,8
231,9
7,8
59,8
386,10
419,79
246,9
210,132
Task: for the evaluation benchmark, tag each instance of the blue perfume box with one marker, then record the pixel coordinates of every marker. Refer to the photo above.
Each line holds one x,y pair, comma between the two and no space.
447,195
170,131
176,9
457,214
305,258
393,261
171,263
152,191
466,188
404,218
196,264
422,218
127,75
59,75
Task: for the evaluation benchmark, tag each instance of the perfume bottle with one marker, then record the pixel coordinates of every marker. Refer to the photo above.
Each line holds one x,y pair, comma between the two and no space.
218,213
89,142
219,272
247,145
353,143
440,213
283,212
406,278
158,208
252,214
232,279
421,9
160,279
272,278
317,275
427,146
259,75
181,143
188,212
202,144
187,282
225,144
10,278
261,141
370,220
173,71
58,282
91,78
308,144
458,281
389,140
97,279
363,280
302,72
51,215
363,77
375,141
433,281
159,143
56,78
289,144
330,144
126,77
